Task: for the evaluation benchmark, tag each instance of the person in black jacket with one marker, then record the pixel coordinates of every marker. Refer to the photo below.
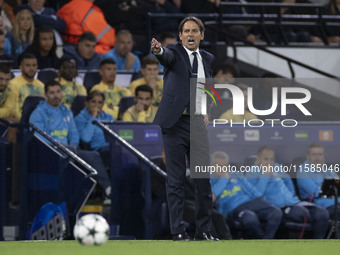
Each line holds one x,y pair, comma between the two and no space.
183,61
44,48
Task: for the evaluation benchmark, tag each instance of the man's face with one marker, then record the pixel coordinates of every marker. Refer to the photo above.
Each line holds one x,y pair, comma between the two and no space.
221,77
29,67
36,4
123,45
68,70
150,71
144,98
2,44
4,80
266,158
46,41
54,95
191,35
108,73
96,102
316,155
86,49
221,162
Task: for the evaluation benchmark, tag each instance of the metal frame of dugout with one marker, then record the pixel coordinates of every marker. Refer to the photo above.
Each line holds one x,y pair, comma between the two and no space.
117,147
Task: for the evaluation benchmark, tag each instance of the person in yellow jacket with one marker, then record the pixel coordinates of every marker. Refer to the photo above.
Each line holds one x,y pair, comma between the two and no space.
229,115
150,70
26,85
71,89
142,110
83,16
112,92
7,97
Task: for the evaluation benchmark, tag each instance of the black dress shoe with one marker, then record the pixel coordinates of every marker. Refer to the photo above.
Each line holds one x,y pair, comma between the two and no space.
205,236
181,237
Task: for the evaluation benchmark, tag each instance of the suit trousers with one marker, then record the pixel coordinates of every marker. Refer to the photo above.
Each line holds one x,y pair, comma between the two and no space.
177,144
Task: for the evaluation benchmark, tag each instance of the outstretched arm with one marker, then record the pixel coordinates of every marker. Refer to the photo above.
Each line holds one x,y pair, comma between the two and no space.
165,56
155,46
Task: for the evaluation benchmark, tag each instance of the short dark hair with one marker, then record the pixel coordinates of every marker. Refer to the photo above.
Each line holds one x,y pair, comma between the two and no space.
123,32
242,86
229,68
194,19
6,63
26,56
5,68
93,94
89,36
35,46
314,145
149,60
166,35
45,29
51,83
144,88
67,59
107,61
2,32
262,149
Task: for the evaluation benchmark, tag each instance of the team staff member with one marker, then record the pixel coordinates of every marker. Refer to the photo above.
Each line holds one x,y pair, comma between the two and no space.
84,16
25,84
142,110
7,97
52,117
183,61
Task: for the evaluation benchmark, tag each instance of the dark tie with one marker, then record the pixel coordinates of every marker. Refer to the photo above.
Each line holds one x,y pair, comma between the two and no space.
195,66
192,105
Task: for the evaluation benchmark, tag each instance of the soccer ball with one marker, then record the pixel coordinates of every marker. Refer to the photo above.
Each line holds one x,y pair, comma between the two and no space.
91,229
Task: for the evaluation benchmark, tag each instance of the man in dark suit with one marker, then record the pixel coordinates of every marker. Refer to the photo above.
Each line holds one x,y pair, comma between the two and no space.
182,62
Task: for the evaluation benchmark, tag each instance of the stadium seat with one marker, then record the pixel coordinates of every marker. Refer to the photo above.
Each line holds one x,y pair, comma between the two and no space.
3,200
290,229
124,104
47,74
29,105
3,130
91,78
296,162
60,181
78,104
136,75
250,160
216,111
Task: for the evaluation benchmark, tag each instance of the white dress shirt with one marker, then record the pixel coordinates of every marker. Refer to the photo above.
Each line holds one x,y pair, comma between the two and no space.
200,94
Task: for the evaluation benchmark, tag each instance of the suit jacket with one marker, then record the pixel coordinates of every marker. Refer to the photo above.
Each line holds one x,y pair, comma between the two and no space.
176,90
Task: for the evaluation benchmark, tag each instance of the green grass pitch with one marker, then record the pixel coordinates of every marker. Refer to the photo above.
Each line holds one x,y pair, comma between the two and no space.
237,247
